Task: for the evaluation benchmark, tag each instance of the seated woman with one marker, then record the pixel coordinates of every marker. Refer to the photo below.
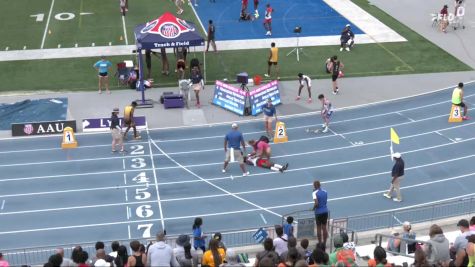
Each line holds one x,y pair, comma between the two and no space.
255,158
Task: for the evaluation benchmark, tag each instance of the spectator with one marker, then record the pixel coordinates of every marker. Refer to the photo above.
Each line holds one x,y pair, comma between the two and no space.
288,227
268,255
67,262
472,224
232,148
444,18
197,84
303,249
420,259
114,246
347,38
215,256
211,36
161,254
82,259
407,247
137,259
103,66
461,241
3,262
280,242
438,251
55,260
379,258
321,211
188,258
198,237
100,260
76,254
347,244
291,243
292,258
471,250
232,260
318,258
341,254
397,175
219,237
122,257
100,245
165,64
266,262
301,263
394,242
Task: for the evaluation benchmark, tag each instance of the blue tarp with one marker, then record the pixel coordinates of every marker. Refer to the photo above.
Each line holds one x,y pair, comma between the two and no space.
49,109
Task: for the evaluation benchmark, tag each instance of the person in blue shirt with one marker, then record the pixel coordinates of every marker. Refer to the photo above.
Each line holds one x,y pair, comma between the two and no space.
321,211
288,227
198,237
102,66
232,148
269,113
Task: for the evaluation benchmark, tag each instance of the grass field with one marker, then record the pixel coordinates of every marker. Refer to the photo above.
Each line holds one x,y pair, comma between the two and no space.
415,56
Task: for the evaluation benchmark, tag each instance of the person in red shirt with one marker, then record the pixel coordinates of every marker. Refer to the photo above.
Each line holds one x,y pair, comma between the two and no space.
268,19
260,156
444,18
261,147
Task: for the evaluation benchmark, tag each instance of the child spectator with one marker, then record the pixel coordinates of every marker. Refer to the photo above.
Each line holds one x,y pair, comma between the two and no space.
288,227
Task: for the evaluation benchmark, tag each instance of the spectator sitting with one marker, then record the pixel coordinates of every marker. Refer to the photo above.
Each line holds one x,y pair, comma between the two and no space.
420,259
303,249
219,237
280,242
438,251
100,260
301,263
288,227
55,260
292,257
3,262
340,253
346,244
114,246
379,258
67,262
268,253
318,258
138,258
266,262
407,247
394,242
161,254
460,242
232,259
291,243
215,256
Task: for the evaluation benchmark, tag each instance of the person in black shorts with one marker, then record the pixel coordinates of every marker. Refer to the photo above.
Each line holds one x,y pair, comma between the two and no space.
335,67
211,31
321,211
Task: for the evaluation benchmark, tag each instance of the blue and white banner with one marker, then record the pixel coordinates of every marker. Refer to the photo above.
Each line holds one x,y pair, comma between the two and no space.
258,97
229,97
103,124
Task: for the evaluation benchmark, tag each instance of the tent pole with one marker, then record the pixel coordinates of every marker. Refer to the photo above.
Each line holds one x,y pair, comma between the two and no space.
204,63
141,83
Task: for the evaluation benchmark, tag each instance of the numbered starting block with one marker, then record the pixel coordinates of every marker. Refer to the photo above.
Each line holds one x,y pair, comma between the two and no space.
455,114
69,140
280,135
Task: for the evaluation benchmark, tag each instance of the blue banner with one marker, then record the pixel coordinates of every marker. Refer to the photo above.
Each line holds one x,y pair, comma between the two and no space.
259,235
259,96
229,97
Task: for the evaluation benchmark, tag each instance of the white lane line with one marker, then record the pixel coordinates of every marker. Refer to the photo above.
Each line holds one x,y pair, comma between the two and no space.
125,31
123,164
156,181
213,185
128,229
127,210
342,136
3,205
398,221
126,196
318,112
125,178
70,191
263,219
446,137
47,24
404,116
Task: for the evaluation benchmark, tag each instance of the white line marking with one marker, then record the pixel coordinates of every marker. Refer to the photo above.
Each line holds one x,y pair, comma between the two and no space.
6,48
404,116
24,47
126,196
93,44
125,178
213,185
128,229
59,45
70,191
263,219
341,135
110,43
397,219
47,24
3,205
123,164
125,31
128,212
76,45
156,181
446,137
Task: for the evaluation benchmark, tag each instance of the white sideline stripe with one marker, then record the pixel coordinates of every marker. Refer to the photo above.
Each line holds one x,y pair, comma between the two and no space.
156,182
3,205
333,122
213,185
319,151
125,31
365,21
313,112
73,191
47,25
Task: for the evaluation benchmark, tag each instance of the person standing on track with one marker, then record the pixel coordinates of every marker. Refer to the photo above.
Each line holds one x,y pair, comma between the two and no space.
102,66
233,141
269,113
129,120
457,99
116,131
326,112
335,67
397,174
321,211
305,80
268,20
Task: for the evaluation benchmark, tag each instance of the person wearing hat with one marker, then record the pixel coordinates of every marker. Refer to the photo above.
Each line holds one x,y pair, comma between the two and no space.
116,131
461,241
269,113
233,141
397,174
347,38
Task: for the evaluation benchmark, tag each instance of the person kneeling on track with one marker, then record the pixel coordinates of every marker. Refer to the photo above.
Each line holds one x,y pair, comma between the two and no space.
265,163
261,147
